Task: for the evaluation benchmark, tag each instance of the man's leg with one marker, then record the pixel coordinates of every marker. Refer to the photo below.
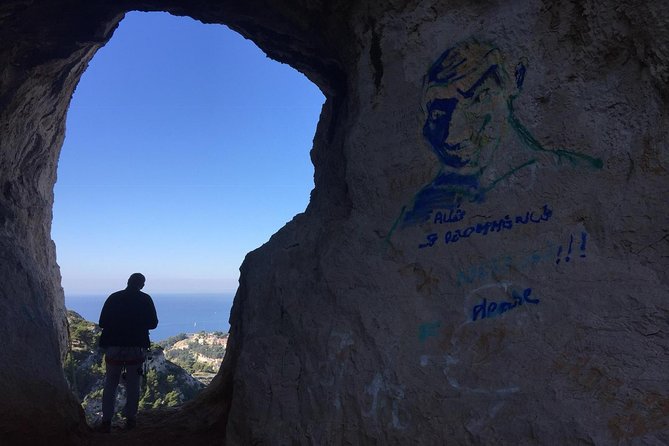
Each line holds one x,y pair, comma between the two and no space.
132,392
109,393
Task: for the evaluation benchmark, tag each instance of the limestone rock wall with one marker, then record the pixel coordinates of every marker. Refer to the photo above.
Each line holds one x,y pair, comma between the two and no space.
42,59
500,277
484,258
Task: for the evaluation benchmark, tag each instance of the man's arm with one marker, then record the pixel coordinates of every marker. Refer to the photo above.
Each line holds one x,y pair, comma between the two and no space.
104,314
151,316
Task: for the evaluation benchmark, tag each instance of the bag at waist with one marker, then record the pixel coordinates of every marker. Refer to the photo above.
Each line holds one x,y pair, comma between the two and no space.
124,355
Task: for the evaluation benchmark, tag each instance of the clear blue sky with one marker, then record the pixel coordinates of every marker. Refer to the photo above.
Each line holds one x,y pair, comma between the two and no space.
186,147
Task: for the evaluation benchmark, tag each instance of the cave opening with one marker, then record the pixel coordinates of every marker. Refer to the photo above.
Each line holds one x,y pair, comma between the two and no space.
46,47
185,149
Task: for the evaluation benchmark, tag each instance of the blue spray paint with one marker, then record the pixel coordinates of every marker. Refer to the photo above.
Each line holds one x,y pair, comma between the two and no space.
454,215
487,309
485,228
503,265
464,89
431,240
584,236
428,330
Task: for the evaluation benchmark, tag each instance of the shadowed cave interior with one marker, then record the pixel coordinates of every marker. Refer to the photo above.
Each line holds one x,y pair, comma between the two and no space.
54,45
347,328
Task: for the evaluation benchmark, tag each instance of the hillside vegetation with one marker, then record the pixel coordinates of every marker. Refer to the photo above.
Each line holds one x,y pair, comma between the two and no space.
200,354
166,382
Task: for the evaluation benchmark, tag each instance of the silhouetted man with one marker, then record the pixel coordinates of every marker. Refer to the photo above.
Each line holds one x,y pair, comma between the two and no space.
126,318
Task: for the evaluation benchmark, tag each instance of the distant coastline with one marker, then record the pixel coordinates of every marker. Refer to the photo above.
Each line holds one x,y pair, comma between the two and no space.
177,313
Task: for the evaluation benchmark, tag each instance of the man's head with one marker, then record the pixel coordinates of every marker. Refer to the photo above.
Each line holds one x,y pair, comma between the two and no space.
136,281
465,98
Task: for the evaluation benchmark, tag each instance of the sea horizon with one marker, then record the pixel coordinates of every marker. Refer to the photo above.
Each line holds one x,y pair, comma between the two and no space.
177,312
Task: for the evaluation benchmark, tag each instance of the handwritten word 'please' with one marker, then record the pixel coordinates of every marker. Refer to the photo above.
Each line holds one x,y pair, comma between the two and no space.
483,229
489,309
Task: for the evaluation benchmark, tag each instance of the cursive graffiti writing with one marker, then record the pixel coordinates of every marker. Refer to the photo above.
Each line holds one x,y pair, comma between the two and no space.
487,309
453,216
485,228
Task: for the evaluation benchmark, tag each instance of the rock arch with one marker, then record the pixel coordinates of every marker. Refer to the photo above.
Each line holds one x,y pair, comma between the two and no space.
355,323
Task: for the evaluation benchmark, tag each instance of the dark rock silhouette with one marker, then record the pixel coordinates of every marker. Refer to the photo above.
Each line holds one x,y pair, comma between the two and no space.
340,333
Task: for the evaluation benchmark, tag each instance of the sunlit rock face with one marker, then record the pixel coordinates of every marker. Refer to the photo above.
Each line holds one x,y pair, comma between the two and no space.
484,259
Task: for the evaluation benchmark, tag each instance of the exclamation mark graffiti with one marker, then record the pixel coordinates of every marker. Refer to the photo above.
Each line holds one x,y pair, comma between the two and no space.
584,237
571,242
567,258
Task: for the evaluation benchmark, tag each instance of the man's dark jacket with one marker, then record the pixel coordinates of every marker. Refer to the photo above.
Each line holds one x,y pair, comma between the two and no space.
126,318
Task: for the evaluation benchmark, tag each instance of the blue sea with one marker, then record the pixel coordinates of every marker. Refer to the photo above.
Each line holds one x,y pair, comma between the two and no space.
177,313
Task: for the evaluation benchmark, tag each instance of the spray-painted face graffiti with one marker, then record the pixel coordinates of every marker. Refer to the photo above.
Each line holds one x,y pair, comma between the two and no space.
460,128
470,124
